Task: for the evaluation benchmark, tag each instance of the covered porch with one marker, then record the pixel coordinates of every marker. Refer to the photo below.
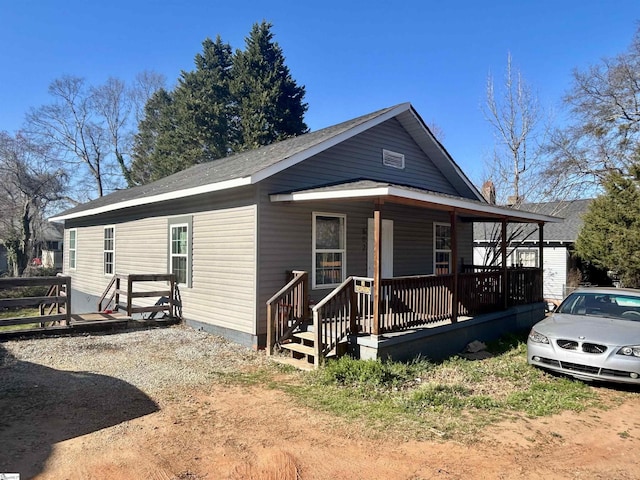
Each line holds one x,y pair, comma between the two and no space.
364,313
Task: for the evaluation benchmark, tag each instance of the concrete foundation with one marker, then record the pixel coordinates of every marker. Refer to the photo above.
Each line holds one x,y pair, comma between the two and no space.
442,341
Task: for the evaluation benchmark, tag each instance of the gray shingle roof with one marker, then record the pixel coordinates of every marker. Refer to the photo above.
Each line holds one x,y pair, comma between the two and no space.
567,231
229,168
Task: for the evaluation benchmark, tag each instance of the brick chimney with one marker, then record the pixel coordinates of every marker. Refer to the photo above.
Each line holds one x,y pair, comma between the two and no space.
489,192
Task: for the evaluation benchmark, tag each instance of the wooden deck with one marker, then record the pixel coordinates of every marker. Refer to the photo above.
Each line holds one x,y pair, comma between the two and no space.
93,318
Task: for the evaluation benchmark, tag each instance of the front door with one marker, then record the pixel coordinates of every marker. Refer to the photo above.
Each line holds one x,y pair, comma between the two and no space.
387,248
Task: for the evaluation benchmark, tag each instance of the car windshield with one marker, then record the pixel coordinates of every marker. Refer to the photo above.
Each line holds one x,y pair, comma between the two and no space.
611,305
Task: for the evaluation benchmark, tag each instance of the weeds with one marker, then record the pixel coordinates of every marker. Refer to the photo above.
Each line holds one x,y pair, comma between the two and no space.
452,398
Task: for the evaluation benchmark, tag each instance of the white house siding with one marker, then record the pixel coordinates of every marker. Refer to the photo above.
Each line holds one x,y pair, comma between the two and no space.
554,269
555,272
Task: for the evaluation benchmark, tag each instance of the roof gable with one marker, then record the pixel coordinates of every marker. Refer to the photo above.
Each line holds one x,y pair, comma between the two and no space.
251,167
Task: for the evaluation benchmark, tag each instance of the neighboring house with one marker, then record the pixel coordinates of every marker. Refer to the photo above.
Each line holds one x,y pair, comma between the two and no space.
562,269
49,249
377,196
52,246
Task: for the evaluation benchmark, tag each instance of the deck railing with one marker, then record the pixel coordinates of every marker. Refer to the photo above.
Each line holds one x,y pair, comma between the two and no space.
287,308
335,316
405,302
415,300
123,286
54,307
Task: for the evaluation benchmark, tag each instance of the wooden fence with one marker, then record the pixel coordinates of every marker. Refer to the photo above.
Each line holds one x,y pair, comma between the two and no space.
54,306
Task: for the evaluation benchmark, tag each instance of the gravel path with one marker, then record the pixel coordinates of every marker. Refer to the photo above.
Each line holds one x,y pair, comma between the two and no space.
152,360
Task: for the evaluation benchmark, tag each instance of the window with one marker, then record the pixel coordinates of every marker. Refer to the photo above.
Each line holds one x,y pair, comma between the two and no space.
72,248
109,250
392,159
180,252
442,248
329,249
526,257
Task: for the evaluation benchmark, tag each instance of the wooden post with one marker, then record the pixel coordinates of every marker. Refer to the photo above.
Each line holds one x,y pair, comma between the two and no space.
117,297
270,327
172,296
503,251
377,266
454,266
129,292
67,309
353,310
541,256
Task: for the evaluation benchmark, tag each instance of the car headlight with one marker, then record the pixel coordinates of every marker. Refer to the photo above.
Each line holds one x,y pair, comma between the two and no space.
630,351
537,337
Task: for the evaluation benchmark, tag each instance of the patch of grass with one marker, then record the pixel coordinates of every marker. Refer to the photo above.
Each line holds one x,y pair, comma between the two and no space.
451,399
24,312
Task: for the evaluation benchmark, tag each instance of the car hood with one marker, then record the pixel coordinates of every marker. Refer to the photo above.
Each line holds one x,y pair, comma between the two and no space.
594,329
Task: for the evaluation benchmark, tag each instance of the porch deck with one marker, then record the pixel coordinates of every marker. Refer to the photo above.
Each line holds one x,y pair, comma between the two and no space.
407,307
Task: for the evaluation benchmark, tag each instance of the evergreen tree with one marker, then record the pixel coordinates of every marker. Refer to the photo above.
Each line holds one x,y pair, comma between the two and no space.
153,132
270,102
205,110
229,103
610,237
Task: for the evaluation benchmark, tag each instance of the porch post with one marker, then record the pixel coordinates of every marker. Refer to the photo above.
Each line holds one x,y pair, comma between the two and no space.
454,265
377,265
541,257
503,251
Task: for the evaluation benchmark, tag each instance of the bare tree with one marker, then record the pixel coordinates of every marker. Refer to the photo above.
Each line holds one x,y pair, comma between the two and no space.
514,171
27,186
516,117
91,128
603,135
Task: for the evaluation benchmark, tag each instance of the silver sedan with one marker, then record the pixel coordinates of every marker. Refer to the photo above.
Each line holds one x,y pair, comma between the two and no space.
593,335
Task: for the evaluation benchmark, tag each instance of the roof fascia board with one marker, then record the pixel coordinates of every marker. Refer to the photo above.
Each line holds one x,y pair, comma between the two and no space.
412,195
188,192
330,142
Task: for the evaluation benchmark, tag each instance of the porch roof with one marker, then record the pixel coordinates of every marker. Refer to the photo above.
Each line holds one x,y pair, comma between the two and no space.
392,193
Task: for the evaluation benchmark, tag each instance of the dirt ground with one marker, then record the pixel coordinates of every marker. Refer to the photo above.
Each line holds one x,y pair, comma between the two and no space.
257,433
98,427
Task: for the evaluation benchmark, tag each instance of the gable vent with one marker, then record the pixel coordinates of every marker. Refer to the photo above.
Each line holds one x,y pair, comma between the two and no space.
392,159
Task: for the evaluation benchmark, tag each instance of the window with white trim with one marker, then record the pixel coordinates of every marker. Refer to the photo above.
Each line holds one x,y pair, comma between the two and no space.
73,238
525,257
442,248
179,252
109,251
329,249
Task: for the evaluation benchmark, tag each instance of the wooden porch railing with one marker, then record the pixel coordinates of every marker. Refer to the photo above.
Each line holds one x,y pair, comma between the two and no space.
168,299
406,302
53,307
416,300
287,309
336,315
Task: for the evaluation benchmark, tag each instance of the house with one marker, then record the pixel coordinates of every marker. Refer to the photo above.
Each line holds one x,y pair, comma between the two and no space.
373,210
49,248
563,270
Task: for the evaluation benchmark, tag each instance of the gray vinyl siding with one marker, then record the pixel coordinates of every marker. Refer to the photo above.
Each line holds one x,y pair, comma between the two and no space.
361,157
224,269
285,242
223,256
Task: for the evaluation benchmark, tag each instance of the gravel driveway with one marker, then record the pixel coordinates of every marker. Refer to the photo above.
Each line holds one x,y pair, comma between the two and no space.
57,388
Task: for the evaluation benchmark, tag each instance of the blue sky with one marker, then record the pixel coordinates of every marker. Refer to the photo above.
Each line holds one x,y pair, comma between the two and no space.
354,57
